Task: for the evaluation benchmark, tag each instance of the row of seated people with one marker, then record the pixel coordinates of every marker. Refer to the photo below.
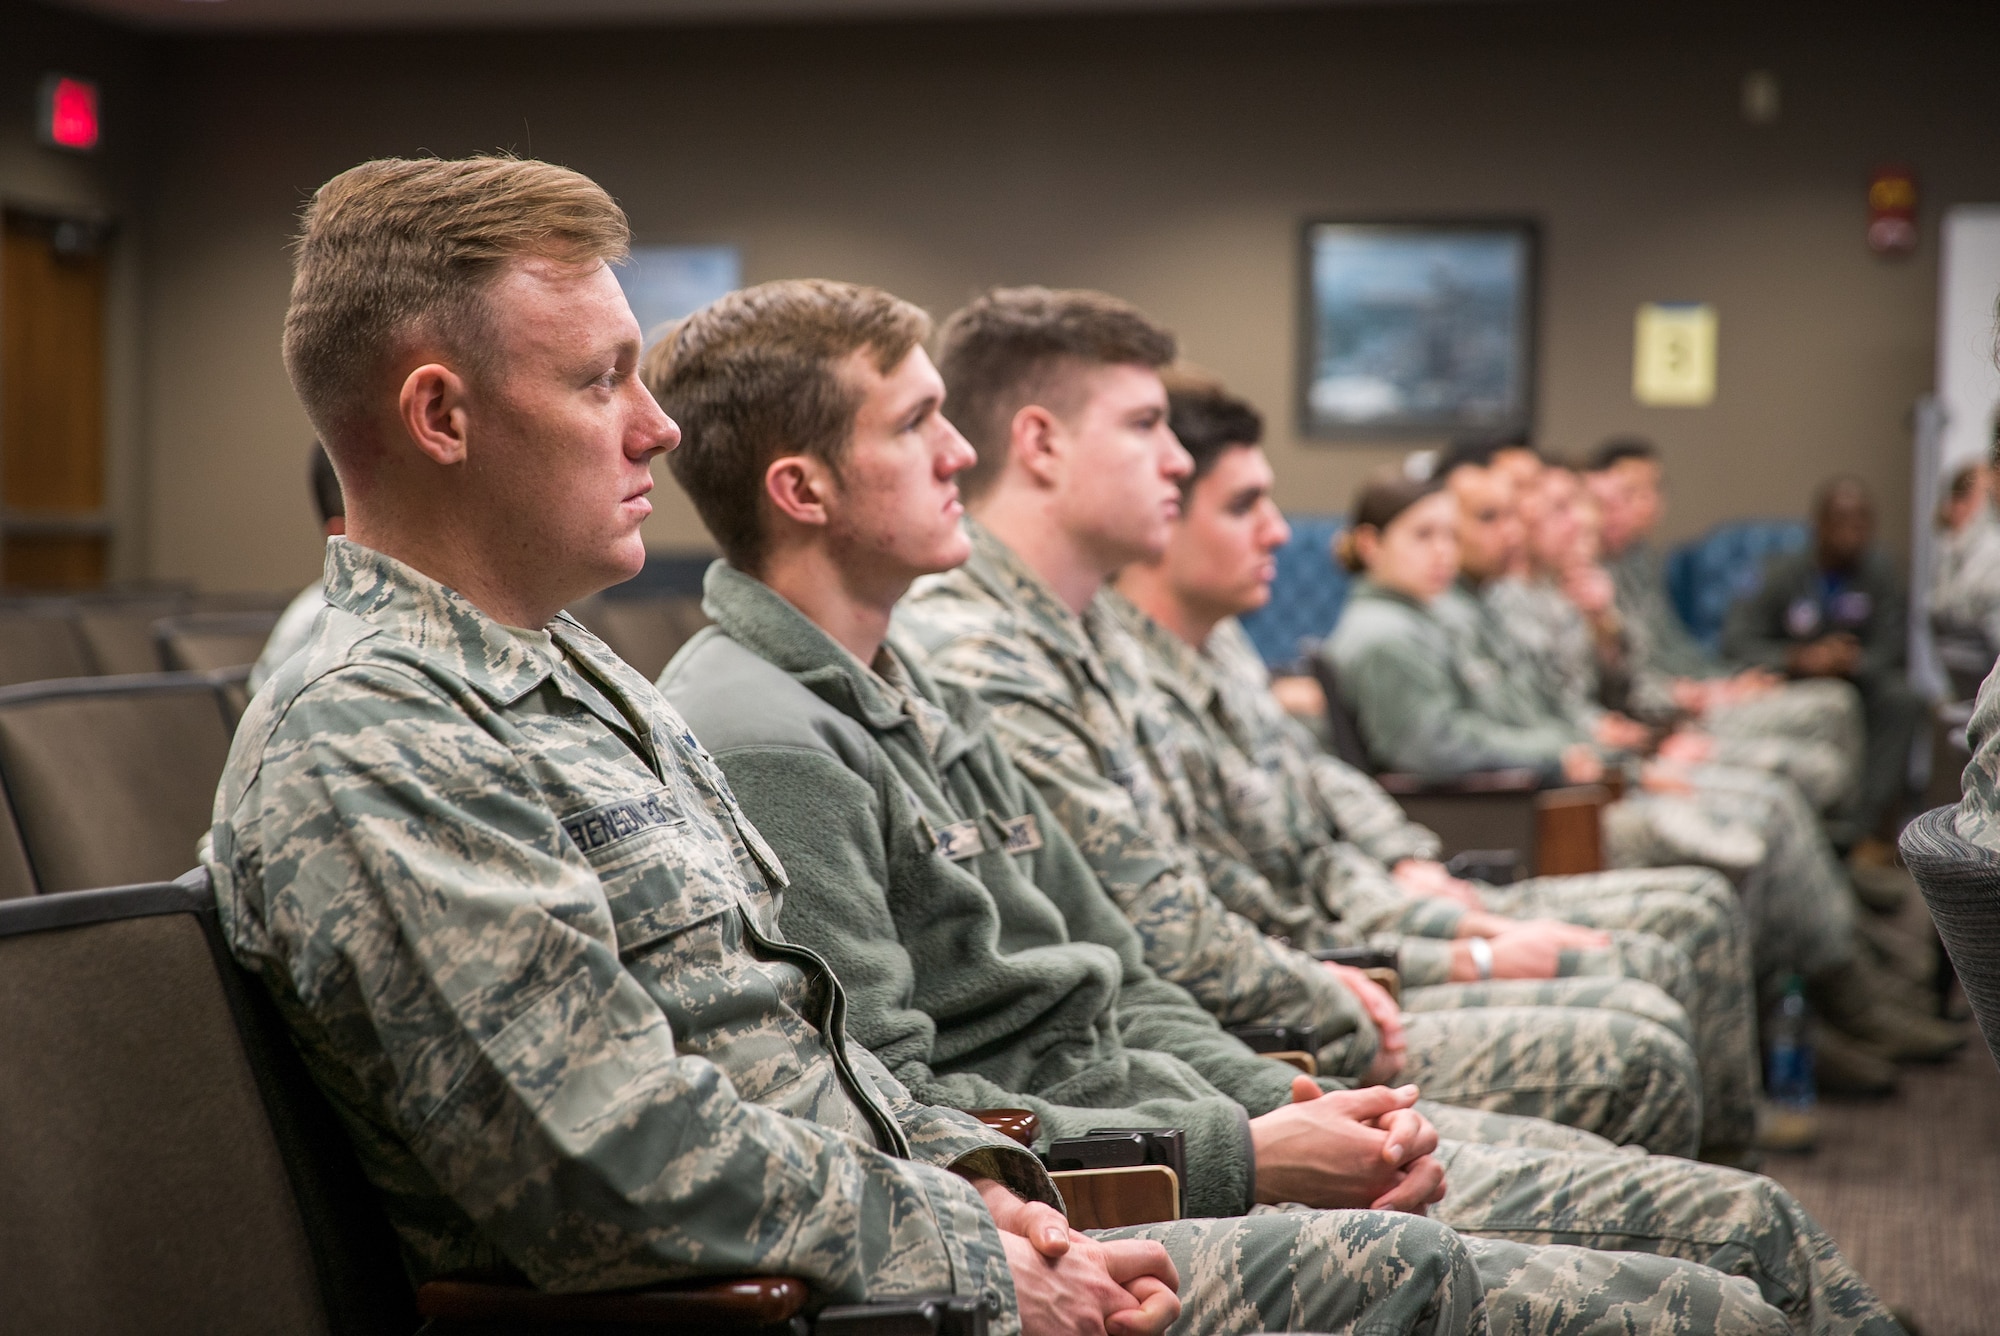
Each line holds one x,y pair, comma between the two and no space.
1965,575
971,797
1487,631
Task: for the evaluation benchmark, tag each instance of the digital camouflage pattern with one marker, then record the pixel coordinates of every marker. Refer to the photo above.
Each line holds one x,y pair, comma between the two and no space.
527,943
1662,649
992,627
1555,642
1614,1073
1252,762
1965,582
1978,819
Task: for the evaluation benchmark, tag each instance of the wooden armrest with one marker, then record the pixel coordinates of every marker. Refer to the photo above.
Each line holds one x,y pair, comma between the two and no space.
1024,1125
1569,837
747,1303
1296,1057
1392,984
1478,781
1114,1198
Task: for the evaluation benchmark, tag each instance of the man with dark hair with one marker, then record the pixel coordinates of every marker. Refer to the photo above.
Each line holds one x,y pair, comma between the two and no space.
524,936
294,625
1836,612
1076,494
1326,836
1749,714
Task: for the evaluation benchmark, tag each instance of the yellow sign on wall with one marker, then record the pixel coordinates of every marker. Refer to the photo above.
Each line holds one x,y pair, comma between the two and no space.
1673,354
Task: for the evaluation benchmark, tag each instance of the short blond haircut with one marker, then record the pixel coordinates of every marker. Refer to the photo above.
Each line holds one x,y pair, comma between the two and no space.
400,250
754,377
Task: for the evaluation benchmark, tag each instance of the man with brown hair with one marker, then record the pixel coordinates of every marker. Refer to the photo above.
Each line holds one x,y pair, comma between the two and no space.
523,934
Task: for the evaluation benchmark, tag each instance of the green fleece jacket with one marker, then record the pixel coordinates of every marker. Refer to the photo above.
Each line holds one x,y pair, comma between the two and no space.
982,961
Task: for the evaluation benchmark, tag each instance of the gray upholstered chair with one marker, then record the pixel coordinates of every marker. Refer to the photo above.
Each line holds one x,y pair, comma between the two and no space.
118,629
1961,883
645,630
169,1165
111,779
39,640
201,642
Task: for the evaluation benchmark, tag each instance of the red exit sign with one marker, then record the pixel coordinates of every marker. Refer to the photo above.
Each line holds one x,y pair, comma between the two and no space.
69,113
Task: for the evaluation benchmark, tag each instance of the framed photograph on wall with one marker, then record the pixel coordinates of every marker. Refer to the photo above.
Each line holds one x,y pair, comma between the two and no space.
1423,329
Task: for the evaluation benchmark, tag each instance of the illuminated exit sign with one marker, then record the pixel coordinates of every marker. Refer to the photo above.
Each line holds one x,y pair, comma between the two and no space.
69,113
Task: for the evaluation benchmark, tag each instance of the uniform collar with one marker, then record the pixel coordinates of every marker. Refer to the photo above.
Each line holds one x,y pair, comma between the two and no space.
1175,666
502,663
1044,618
885,697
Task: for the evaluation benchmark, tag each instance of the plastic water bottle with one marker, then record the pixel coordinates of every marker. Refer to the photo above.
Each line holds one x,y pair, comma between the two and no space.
1788,1080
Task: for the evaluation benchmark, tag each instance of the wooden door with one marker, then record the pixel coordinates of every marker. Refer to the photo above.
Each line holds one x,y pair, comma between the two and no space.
53,533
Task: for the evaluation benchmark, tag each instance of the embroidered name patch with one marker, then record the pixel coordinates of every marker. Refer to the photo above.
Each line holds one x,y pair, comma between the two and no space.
1023,835
960,840
609,823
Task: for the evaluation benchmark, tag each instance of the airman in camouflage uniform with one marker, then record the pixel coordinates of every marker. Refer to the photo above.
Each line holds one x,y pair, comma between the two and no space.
1978,819
528,943
991,627
1250,761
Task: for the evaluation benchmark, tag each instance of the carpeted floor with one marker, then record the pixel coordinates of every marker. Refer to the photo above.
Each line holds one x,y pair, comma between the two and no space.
1910,1188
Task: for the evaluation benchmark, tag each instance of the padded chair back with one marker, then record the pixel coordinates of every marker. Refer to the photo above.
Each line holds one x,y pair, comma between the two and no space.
39,640
1341,723
202,642
1706,577
17,878
112,779
119,631
1961,883
644,631
157,1174
1307,594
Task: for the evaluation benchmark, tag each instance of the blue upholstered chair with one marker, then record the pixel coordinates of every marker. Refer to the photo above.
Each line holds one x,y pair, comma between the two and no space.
1306,597
1706,576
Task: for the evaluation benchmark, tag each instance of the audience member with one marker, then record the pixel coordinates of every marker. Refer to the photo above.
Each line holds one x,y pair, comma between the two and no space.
1077,477
295,624
1673,676
1287,807
1965,581
524,936
1836,611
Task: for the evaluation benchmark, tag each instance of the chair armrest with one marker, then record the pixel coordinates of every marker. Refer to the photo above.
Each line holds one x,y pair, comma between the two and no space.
1024,1125
1476,781
1569,837
746,1304
1495,867
1114,1198
947,1315
1296,1057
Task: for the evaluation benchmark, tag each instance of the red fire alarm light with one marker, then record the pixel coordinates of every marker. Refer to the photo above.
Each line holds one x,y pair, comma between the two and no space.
1892,211
69,113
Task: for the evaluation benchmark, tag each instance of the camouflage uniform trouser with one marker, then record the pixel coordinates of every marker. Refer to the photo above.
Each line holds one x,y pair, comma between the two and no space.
1742,1224
1697,911
1381,1274
1822,711
1630,1080
1800,902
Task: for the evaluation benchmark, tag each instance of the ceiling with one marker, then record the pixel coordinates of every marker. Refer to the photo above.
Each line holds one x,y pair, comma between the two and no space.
268,14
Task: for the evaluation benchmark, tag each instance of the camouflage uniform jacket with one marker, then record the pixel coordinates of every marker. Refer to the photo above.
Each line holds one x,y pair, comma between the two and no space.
1552,641
1072,707
1978,819
527,943
1428,695
1243,766
1660,642
982,961
1965,586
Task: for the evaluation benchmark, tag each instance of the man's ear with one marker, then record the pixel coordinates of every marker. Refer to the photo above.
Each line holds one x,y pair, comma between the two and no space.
432,407
1036,441
799,486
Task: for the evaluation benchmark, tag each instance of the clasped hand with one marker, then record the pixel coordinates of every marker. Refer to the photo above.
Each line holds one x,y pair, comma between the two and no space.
1349,1149
1069,1284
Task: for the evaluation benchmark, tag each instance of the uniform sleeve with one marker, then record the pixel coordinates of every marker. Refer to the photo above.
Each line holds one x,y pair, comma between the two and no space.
841,836
451,962
1190,938
1412,719
1886,649
1367,816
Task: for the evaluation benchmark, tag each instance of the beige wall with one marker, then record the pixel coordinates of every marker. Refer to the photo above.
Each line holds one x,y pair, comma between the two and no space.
1169,160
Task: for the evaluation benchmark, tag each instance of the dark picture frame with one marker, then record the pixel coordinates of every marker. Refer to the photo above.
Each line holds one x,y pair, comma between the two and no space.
1417,329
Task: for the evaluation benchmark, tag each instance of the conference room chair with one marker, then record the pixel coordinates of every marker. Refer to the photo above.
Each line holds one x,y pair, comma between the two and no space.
110,779
200,642
171,1167
39,639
